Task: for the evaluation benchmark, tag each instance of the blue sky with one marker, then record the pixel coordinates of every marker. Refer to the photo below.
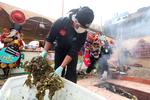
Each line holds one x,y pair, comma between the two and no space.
103,9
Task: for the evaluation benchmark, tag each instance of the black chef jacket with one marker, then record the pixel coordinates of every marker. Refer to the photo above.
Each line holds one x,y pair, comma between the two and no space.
67,39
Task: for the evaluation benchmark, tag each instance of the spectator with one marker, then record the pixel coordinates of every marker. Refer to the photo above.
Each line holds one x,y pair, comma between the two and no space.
106,52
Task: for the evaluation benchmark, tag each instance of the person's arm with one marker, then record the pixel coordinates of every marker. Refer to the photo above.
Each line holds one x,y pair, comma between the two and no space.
76,46
74,50
51,37
66,61
47,46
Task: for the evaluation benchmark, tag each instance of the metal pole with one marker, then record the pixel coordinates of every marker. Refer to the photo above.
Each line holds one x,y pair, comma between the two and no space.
62,10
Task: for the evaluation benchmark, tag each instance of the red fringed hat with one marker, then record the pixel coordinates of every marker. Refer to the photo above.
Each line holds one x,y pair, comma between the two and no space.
17,16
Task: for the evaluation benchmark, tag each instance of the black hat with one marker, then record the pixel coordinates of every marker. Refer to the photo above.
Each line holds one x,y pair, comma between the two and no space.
85,16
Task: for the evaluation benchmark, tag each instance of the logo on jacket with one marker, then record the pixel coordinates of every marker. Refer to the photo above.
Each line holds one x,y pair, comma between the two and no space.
62,32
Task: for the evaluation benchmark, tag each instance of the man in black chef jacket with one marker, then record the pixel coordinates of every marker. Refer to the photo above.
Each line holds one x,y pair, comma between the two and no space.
70,34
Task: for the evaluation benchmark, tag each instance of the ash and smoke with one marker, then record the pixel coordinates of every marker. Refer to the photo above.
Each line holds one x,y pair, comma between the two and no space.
134,26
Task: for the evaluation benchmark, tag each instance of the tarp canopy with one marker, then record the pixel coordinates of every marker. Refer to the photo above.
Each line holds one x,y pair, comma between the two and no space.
35,26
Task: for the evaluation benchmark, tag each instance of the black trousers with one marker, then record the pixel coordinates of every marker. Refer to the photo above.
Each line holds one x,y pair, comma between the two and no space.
92,65
70,70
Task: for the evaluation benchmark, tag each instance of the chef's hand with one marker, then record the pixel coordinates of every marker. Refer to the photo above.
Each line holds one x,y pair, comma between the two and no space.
59,70
44,54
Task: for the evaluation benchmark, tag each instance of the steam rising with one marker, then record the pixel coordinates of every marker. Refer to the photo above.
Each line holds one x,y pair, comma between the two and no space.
134,26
